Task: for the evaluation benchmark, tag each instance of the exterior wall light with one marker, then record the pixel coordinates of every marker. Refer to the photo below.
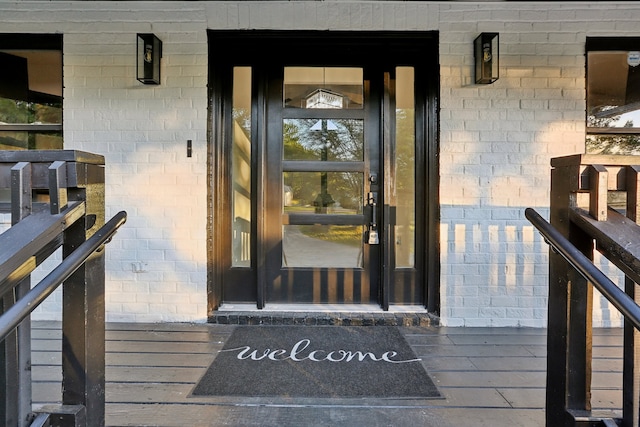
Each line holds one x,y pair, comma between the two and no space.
148,57
486,48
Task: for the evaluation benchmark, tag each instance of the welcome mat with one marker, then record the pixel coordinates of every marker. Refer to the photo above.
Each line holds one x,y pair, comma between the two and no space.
316,362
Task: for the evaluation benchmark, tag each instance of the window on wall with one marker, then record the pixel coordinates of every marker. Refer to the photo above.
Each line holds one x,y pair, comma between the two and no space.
613,95
30,91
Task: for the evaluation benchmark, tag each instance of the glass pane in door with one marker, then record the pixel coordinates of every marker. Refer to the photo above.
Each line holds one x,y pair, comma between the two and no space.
405,168
323,193
323,168
323,139
241,168
323,87
315,245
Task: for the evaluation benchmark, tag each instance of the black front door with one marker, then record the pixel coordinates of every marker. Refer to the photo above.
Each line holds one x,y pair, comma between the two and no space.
322,188
322,210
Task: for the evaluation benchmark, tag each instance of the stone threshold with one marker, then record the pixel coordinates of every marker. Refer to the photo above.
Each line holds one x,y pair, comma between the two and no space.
327,315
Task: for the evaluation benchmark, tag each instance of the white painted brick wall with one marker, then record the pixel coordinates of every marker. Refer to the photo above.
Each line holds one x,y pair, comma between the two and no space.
534,112
496,141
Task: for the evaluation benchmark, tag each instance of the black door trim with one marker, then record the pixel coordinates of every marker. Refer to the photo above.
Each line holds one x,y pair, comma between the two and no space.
228,48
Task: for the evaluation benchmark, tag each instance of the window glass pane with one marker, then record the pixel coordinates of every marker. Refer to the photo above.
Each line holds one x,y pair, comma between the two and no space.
405,168
22,140
323,87
623,144
613,102
323,192
323,139
12,111
31,86
45,141
241,167
24,112
14,140
31,99
332,246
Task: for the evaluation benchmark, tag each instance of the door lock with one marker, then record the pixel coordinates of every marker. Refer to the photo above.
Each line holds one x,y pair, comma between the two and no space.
373,225
373,236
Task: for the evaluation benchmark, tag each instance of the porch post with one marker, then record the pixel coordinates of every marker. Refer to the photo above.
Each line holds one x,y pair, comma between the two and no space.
83,305
631,359
569,306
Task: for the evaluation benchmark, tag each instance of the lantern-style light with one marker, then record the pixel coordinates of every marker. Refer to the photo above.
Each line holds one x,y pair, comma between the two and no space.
487,59
148,57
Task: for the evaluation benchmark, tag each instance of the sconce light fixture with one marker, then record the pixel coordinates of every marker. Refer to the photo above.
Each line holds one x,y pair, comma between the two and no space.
148,56
487,58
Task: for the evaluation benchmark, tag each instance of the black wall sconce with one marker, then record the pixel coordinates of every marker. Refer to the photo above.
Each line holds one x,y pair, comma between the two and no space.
486,49
148,57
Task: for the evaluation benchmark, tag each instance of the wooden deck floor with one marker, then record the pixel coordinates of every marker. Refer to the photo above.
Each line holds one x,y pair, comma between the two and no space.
488,377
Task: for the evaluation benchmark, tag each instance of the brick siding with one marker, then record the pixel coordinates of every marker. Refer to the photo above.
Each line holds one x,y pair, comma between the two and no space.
495,142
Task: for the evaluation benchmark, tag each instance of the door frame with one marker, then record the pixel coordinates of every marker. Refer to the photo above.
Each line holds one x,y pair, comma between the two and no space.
245,48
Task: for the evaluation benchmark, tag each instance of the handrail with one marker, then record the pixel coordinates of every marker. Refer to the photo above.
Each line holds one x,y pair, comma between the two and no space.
588,196
585,267
74,182
40,234
13,316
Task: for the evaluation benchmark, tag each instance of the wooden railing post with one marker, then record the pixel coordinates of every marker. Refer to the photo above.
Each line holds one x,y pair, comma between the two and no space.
631,349
582,188
598,182
68,176
21,207
83,309
15,350
557,313
569,309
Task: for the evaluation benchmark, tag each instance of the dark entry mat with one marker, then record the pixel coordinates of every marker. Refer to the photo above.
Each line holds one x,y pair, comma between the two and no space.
316,362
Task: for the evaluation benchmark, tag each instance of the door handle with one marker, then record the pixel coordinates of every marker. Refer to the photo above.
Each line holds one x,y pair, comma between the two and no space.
373,225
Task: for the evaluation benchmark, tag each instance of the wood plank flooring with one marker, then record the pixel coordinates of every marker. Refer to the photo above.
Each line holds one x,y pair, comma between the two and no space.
487,376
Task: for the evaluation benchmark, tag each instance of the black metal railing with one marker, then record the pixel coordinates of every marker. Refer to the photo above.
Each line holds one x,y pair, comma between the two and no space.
23,307
594,205
56,202
616,296
577,411
15,314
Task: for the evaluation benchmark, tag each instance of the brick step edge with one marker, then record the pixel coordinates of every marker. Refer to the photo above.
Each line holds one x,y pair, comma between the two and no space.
326,319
